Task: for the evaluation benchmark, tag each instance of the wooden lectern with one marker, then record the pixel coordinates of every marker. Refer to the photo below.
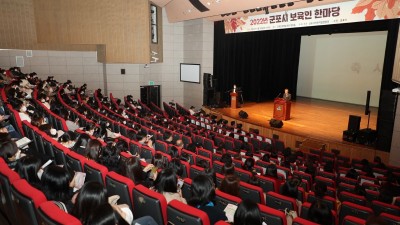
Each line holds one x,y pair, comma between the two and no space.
281,109
234,100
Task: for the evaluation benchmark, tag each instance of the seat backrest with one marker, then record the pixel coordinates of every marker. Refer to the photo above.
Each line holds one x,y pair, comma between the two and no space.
183,214
381,207
350,197
161,146
204,152
217,166
216,157
117,184
243,175
94,171
352,220
345,187
26,201
390,219
50,214
348,208
203,158
304,176
149,203
146,152
208,144
191,155
328,182
48,147
301,221
278,201
222,200
187,188
74,162
194,171
186,169
268,184
348,180
251,192
7,177
60,153
272,216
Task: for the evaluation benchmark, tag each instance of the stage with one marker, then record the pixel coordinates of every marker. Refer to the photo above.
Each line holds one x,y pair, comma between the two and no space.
314,119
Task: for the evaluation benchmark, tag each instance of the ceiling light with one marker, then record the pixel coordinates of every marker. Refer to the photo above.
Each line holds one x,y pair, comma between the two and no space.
258,9
208,3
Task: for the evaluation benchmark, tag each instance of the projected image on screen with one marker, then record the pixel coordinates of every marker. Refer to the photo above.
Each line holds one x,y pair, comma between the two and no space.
342,67
190,73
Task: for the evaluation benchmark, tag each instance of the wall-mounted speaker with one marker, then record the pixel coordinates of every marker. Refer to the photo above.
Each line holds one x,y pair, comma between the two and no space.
367,103
276,123
243,114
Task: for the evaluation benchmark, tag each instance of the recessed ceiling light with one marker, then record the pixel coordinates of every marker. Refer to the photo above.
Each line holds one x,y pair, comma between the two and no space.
208,3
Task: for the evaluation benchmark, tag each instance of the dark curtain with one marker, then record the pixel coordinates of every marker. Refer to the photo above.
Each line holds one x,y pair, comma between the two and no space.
263,63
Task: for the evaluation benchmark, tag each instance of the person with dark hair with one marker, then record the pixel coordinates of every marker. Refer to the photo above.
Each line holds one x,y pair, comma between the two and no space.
28,167
110,157
55,185
191,147
320,213
166,184
105,214
228,169
90,197
94,149
320,190
203,196
328,167
378,163
289,189
265,158
352,174
230,185
10,153
168,137
247,213
177,166
210,172
173,152
144,139
160,161
66,140
249,164
226,158
81,143
133,170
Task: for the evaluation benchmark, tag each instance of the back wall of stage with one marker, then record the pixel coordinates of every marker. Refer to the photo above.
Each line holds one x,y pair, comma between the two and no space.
342,67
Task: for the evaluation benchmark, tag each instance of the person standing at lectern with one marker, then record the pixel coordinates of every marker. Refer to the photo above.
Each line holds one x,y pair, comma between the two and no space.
287,96
234,88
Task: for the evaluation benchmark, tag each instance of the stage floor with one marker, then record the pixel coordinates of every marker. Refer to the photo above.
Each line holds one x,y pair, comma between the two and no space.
313,118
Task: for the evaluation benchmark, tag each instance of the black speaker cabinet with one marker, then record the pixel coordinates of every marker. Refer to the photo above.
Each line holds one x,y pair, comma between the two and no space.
243,114
354,123
276,123
151,93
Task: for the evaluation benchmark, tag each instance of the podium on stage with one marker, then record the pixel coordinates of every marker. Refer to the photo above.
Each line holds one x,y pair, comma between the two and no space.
281,109
234,100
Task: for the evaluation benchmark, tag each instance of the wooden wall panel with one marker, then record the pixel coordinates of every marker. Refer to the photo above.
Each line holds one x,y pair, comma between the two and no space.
18,29
123,26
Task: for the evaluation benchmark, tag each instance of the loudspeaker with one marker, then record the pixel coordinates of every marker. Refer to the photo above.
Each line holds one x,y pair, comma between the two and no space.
367,103
150,93
243,114
354,123
276,123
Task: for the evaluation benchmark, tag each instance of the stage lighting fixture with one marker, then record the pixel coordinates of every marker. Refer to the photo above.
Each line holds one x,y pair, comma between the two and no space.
258,8
309,1
290,4
274,6
282,5
252,10
245,11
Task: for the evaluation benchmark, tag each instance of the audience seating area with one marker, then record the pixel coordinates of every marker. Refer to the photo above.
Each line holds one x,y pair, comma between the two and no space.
23,203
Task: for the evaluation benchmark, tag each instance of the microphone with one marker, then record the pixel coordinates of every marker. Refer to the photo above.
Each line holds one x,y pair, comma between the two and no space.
278,95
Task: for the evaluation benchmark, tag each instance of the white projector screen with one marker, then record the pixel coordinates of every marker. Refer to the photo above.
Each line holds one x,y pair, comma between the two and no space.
342,67
190,73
